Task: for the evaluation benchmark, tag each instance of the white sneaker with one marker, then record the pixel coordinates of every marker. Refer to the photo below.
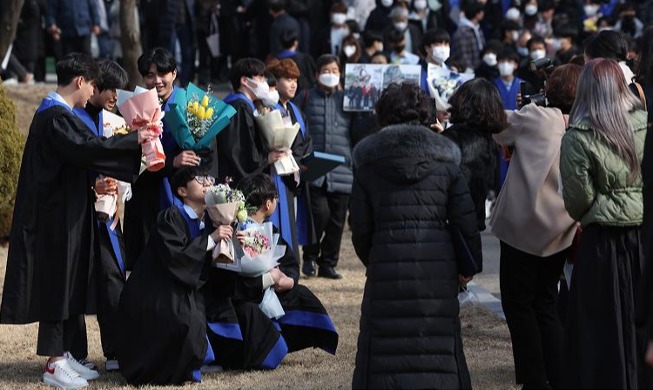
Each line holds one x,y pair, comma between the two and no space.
111,365
83,371
59,374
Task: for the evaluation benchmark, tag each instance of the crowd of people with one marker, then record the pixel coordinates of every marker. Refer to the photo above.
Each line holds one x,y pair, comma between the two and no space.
553,126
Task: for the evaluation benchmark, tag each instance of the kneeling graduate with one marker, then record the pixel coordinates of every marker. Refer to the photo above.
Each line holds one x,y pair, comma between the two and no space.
245,335
162,318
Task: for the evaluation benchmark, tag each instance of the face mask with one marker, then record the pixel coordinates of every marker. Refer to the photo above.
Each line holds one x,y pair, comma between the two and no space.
590,9
271,99
349,50
338,18
440,53
401,26
513,14
379,47
506,68
420,4
387,3
329,79
260,89
555,44
537,54
530,10
490,59
515,36
523,51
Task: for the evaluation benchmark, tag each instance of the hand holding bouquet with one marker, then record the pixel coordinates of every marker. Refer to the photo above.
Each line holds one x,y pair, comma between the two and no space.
279,135
225,206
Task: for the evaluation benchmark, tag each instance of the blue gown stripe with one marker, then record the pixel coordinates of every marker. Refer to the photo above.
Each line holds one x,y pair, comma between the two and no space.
115,245
167,197
193,224
301,219
48,103
276,355
226,330
281,216
208,358
232,97
286,54
308,319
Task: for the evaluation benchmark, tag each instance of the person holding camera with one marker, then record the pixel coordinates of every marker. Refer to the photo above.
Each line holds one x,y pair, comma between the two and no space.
535,231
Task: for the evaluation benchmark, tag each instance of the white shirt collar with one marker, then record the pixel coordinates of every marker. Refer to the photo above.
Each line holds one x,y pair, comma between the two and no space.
55,96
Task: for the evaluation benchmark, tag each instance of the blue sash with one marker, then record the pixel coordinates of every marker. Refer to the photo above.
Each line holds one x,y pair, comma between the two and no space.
302,208
286,54
232,97
49,102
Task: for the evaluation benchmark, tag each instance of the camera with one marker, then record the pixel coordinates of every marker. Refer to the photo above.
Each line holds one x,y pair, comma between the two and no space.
543,64
537,98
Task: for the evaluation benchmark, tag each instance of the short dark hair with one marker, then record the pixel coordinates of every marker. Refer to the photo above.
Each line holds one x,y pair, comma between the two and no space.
535,39
393,36
566,31
257,190
270,78
74,65
471,8
608,44
561,86
163,59
326,59
112,75
492,46
277,5
404,103
434,35
508,53
248,67
186,174
288,37
477,103
508,25
369,37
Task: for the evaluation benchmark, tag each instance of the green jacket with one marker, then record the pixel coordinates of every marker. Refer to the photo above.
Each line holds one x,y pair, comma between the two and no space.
595,183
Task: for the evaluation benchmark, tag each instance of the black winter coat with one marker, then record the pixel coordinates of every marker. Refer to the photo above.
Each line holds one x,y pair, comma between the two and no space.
407,188
479,163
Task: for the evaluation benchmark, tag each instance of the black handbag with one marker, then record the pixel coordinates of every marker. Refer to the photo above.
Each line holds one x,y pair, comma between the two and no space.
467,264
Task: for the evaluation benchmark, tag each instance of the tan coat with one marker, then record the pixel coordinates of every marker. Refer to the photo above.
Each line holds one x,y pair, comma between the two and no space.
530,213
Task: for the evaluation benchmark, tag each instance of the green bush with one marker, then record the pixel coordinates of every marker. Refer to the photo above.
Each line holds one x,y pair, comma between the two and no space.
11,151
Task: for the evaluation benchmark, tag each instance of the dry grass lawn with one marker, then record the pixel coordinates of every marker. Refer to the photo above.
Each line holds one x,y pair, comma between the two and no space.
486,339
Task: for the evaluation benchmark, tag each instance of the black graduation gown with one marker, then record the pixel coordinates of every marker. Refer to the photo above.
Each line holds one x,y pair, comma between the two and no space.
242,337
162,318
50,266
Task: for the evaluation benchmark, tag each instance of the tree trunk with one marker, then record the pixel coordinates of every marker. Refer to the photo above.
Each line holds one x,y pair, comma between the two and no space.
9,14
130,40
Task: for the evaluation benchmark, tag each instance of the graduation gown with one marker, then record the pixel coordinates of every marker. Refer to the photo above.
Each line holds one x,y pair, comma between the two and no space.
242,337
162,318
50,265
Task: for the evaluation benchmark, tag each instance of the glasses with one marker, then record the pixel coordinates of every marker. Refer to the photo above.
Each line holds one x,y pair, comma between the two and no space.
204,180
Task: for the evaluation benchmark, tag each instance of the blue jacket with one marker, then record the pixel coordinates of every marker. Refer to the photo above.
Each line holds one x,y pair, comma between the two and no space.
74,17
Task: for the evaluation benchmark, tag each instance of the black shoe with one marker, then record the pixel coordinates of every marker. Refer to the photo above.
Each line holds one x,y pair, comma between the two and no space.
308,268
328,272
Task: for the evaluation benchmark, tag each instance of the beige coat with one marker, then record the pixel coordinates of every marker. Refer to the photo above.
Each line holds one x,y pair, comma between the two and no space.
530,213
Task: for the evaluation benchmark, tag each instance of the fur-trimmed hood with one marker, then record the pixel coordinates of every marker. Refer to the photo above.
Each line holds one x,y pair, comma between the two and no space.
405,152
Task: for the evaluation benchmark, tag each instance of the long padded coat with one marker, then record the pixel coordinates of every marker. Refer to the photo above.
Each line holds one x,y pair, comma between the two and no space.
407,189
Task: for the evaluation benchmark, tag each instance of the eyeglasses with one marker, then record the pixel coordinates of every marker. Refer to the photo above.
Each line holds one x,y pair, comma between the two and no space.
204,180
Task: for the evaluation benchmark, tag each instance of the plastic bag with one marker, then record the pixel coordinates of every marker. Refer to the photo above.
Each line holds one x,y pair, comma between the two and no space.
467,298
270,305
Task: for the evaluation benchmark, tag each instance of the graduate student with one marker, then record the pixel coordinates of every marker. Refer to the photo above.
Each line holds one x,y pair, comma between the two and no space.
111,267
242,336
50,265
162,318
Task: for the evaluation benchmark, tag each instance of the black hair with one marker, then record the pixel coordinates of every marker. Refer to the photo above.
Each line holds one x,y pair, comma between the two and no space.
477,103
545,5
277,5
535,39
508,25
608,44
326,59
288,37
508,53
472,8
492,46
270,78
112,75
164,60
74,65
369,37
380,53
257,189
434,35
247,67
394,36
186,174
566,31
404,103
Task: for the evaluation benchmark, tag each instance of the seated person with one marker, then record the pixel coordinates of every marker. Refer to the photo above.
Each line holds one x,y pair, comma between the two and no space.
242,336
161,311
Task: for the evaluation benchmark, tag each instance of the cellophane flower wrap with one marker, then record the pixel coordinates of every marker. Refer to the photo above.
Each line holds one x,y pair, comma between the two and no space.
113,206
196,117
225,206
279,133
142,109
258,254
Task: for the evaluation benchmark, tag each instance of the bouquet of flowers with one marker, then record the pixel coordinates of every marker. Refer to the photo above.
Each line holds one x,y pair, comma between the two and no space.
225,206
259,254
110,206
196,117
279,134
141,108
443,83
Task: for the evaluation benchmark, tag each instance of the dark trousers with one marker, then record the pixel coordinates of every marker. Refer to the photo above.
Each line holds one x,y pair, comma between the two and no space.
76,45
528,297
55,338
329,213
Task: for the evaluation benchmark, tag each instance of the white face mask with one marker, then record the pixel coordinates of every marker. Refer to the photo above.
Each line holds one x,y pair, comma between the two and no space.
401,26
440,53
349,50
379,47
555,44
591,9
513,14
271,99
506,68
490,59
515,36
530,9
537,54
329,79
387,3
260,89
420,4
338,18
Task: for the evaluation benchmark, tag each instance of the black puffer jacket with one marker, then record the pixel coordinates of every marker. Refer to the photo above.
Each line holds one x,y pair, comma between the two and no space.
407,185
479,163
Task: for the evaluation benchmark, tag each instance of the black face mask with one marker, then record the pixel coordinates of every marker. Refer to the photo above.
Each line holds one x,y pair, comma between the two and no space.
399,48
